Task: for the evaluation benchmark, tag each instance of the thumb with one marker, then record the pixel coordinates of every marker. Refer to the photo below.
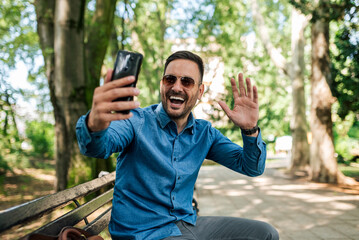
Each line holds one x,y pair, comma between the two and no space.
108,76
225,108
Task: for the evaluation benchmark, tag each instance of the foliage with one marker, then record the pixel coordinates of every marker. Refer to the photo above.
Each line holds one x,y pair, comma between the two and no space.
4,166
334,8
346,136
350,171
11,154
229,28
41,136
18,39
148,27
345,67
221,28
345,72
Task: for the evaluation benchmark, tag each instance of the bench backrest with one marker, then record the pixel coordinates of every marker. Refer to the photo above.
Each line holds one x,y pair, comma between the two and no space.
26,212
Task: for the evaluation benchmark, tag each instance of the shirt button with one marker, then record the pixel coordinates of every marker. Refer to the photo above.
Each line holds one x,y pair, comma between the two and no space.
175,159
173,198
178,178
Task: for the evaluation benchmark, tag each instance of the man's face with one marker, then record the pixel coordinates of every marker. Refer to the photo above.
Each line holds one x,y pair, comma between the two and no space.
178,99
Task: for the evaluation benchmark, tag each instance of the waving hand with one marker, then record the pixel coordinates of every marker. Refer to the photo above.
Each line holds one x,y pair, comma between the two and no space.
245,112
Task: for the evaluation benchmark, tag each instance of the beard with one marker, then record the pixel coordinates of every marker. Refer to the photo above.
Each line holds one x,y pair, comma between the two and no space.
186,106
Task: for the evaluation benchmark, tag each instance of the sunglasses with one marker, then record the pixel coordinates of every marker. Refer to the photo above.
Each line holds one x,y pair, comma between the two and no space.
170,80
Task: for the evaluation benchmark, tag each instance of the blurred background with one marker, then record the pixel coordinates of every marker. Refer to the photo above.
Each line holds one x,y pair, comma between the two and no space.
302,55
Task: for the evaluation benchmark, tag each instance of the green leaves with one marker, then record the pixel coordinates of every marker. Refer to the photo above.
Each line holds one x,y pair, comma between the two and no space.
142,27
345,70
41,135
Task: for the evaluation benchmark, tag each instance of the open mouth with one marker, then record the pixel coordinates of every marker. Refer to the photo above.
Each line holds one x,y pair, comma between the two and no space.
176,101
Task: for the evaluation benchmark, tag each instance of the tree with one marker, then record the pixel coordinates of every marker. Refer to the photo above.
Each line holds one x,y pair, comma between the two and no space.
9,134
18,42
224,29
324,166
149,26
73,63
294,69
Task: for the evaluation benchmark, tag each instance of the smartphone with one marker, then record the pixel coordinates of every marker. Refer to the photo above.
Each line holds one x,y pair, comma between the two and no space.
127,64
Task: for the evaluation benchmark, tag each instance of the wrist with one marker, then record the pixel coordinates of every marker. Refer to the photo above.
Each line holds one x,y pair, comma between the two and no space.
93,125
250,131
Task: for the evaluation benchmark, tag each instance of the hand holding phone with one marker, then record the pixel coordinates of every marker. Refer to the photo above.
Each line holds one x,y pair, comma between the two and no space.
104,101
127,64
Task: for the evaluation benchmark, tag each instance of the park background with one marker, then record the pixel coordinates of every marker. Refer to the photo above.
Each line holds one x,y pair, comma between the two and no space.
302,55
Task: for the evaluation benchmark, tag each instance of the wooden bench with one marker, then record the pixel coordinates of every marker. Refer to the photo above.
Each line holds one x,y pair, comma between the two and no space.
16,217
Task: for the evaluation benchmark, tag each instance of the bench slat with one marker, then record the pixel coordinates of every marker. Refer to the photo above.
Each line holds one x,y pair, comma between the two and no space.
27,211
100,223
76,215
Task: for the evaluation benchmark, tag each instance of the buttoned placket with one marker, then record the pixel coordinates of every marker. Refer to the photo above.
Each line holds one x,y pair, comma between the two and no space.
175,152
175,158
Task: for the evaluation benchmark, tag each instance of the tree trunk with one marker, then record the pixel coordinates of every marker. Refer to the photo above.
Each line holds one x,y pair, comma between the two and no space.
300,147
323,162
61,31
295,71
69,79
45,11
98,37
99,34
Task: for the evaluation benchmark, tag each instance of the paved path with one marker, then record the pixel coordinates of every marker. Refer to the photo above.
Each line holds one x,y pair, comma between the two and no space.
298,209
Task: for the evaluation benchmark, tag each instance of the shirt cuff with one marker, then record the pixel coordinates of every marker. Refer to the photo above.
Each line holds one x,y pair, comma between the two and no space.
255,146
251,141
84,135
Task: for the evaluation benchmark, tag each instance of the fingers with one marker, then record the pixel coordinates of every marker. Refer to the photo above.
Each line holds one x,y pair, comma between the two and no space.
104,109
115,89
104,112
243,92
249,88
255,95
242,89
234,88
117,83
108,76
225,108
116,93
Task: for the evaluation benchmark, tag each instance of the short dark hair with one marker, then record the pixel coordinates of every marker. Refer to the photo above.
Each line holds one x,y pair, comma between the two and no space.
189,56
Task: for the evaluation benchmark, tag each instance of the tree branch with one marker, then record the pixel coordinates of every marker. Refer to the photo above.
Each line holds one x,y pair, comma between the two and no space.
273,52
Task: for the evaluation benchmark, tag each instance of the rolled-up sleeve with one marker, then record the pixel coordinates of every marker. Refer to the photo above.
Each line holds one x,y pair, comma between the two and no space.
103,143
248,160
91,144
255,153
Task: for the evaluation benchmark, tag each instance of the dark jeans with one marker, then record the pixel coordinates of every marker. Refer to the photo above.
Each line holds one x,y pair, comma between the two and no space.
228,228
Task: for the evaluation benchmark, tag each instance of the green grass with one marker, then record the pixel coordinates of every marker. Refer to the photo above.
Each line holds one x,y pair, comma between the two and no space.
350,171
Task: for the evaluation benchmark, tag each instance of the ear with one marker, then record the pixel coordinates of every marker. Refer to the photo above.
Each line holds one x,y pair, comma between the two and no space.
161,85
201,91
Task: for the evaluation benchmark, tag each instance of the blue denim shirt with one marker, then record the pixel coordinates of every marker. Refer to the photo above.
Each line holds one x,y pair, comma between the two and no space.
157,168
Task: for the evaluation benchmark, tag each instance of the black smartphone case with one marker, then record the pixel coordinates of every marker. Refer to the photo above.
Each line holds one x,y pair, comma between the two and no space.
127,64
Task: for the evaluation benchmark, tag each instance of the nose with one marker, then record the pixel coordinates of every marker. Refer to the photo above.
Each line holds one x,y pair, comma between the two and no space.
177,86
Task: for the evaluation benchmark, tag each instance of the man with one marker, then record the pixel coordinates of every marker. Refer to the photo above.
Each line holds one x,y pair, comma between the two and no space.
161,149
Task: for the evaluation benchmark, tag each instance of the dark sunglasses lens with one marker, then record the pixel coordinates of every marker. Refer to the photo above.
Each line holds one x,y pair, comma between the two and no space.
169,79
187,82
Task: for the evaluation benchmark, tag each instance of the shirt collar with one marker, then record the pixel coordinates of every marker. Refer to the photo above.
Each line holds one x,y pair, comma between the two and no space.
164,119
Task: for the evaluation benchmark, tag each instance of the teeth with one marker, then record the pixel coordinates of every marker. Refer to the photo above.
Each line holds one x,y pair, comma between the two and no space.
176,98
